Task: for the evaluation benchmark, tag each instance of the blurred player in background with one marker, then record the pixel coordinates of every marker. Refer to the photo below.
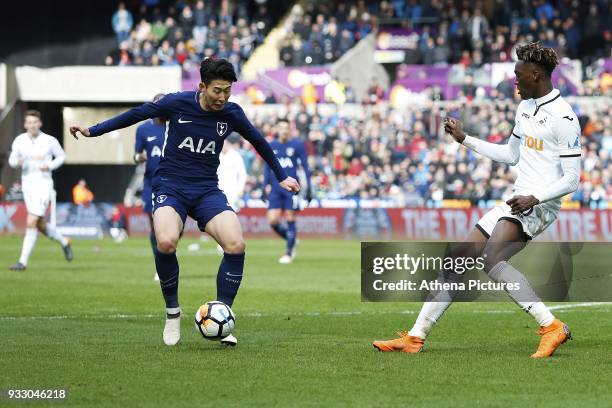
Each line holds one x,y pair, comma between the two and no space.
232,172
545,146
148,148
37,154
291,154
186,182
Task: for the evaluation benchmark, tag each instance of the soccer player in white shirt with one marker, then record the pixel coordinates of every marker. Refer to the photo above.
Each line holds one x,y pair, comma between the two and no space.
232,173
37,154
545,146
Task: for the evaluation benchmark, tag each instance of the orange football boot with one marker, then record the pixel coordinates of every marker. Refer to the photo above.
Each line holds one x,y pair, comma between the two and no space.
552,337
405,343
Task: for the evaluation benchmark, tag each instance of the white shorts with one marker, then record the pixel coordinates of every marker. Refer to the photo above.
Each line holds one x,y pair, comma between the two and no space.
533,222
37,197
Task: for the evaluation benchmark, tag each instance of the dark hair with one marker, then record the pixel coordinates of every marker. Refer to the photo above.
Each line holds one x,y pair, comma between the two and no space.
32,112
211,69
534,53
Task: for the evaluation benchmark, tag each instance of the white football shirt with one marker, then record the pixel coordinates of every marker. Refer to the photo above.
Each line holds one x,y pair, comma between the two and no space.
36,151
231,172
548,130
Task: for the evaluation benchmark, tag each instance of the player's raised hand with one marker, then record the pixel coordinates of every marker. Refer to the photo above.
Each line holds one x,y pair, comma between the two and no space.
520,203
75,129
290,184
454,127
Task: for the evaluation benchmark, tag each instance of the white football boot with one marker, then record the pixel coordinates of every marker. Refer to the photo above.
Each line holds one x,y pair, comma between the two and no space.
156,277
285,259
229,340
172,331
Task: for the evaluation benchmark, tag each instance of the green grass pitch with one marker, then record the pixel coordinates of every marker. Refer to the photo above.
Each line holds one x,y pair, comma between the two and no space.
94,326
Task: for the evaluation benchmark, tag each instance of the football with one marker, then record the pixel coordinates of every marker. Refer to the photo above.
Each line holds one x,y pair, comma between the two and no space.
214,320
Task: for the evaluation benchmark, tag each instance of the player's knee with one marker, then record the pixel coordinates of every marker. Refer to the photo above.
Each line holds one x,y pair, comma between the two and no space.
166,246
235,246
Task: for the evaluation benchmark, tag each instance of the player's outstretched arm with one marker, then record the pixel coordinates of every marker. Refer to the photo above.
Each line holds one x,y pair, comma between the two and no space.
508,153
123,120
254,137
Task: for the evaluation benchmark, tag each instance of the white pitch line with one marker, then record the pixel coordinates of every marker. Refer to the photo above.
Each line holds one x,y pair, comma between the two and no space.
288,314
554,307
575,305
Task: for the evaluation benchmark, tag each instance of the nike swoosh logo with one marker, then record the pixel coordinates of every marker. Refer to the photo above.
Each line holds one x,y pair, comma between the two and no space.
184,121
152,138
231,274
568,118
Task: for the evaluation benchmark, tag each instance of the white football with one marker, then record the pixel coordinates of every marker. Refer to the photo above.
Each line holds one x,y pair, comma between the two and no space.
214,320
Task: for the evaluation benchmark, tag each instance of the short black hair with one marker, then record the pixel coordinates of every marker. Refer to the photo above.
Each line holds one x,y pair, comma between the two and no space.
211,69
534,53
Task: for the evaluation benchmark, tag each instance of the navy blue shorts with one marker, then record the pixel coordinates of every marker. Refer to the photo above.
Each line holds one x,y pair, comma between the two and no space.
284,200
202,205
147,198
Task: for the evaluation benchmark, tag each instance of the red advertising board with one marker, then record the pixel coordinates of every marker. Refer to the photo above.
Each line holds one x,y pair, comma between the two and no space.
368,223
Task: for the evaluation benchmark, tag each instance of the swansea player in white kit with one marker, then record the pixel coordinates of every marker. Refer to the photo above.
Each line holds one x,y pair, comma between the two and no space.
545,146
37,154
232,172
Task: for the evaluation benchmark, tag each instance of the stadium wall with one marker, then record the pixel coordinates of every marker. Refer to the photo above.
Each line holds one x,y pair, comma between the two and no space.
96,84
422,224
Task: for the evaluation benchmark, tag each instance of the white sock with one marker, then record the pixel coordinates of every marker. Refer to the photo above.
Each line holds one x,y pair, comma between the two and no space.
539,312
28,245
428,316
55,235
173,310
526,298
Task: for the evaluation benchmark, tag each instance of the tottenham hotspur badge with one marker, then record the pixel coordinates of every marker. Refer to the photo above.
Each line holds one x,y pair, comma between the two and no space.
221,128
